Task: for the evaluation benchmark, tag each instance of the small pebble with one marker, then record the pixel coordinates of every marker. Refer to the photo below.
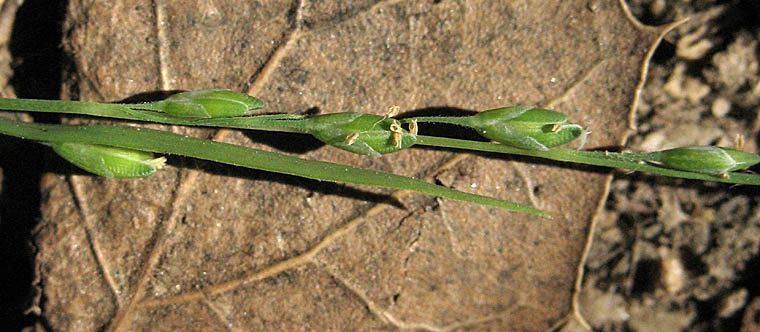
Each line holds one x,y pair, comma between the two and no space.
721,107
733,303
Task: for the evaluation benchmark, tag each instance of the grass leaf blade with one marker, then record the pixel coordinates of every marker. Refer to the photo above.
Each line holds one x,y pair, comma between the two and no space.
165,142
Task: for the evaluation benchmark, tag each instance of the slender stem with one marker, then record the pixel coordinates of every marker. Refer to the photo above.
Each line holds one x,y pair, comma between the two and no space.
464,121
144,106
69,107
597,158
278,122
295,123
165,142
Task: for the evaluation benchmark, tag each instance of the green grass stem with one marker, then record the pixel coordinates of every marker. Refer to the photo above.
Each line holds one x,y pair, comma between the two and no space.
596,158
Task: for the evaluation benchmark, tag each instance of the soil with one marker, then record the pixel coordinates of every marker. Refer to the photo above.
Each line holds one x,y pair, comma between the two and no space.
675,255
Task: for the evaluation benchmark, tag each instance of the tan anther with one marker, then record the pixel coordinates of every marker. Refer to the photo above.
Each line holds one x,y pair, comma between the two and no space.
739,142
725,176
556,128
392,111
351,139
397,140
413,127
395,128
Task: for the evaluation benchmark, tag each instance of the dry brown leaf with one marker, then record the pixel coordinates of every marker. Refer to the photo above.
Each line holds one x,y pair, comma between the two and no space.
208,247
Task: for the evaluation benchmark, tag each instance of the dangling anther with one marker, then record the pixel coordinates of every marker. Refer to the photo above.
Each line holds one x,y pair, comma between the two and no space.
396,129
397,140
392,111
413,127
739,142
